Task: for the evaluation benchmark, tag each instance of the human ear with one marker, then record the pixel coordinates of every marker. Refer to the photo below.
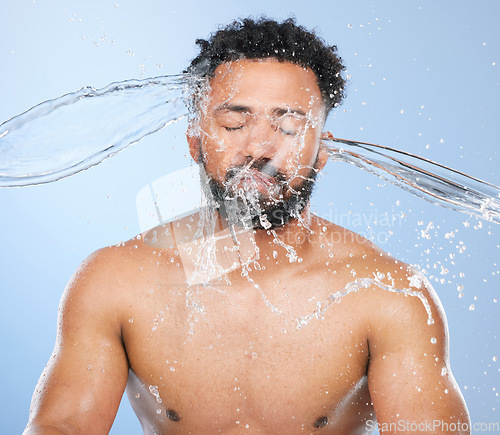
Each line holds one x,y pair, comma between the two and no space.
194,142
323,153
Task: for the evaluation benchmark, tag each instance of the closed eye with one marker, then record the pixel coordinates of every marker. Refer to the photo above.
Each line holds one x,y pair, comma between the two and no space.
234,128
290,123
287,132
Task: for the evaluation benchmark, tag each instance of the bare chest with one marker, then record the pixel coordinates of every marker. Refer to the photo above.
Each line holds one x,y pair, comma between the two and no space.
232,362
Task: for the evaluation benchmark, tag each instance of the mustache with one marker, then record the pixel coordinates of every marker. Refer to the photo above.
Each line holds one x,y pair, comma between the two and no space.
261,165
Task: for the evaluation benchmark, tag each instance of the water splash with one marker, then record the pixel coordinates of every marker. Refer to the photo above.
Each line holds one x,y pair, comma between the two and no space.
422,177
365,283
61,137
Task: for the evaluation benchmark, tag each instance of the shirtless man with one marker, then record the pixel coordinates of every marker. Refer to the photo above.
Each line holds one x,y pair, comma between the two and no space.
291,324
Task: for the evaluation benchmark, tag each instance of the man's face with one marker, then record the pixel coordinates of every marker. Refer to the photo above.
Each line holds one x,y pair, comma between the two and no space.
258,136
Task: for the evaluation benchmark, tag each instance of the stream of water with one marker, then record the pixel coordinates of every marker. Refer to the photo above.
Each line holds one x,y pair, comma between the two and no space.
63,136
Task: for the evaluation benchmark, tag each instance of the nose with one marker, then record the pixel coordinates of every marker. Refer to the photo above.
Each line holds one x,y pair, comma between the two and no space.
263,142
260,139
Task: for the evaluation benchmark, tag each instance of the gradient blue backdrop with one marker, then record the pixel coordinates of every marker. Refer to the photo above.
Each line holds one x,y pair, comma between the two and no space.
424,78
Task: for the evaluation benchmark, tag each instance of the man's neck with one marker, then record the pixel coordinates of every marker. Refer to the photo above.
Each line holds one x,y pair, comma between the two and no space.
294,236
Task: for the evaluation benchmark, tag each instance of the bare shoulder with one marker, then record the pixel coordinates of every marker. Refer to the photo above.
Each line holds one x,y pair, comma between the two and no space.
409,374
402,295
396,293
120,263
121,273
105,269
93,290
106,277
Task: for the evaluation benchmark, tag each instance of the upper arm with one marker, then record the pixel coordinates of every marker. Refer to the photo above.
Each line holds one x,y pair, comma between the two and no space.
409,376
82,385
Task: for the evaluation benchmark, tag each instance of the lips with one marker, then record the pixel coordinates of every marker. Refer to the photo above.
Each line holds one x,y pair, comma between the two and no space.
261,177
254,180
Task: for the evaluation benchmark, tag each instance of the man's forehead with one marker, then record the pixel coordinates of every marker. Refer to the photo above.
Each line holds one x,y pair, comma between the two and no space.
263,82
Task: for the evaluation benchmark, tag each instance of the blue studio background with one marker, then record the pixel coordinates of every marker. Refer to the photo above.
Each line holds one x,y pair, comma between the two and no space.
424,79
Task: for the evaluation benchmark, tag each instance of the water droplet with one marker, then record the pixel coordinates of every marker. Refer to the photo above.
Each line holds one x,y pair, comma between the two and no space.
471,307
153,389
433,340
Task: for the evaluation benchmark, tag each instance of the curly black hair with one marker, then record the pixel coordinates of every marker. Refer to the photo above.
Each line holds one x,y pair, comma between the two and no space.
267,38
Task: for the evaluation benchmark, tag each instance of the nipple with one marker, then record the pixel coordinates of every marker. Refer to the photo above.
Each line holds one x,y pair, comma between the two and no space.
172,415
321,422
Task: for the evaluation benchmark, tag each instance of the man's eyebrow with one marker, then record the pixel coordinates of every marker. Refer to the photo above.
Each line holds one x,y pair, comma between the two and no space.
232,108
238,108
280,111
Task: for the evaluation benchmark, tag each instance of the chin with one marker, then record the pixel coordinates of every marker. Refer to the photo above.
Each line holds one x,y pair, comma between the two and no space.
250,208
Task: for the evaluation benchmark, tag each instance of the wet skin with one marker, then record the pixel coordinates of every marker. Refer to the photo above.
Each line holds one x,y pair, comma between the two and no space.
227,356
238,361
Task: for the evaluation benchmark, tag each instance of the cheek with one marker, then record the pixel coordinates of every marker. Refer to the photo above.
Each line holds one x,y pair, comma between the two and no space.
303,155
217,157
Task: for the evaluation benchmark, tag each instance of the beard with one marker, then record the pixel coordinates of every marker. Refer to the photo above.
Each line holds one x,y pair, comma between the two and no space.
248,204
